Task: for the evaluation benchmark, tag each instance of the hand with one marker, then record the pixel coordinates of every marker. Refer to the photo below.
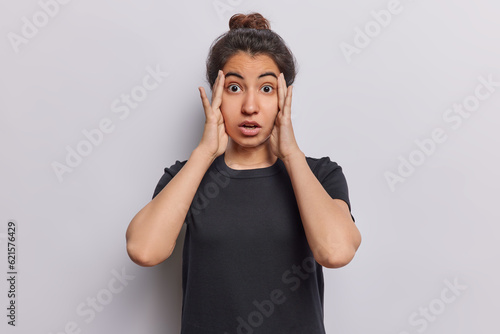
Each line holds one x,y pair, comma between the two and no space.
215,138
283,143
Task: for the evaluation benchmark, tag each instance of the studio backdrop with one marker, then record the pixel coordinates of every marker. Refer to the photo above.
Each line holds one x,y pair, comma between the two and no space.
98,97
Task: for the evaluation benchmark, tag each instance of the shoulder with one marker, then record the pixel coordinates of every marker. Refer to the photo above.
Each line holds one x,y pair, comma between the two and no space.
323,166
331,177
175,168
168,174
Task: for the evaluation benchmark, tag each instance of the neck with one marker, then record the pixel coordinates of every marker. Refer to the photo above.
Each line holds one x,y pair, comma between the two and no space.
238,157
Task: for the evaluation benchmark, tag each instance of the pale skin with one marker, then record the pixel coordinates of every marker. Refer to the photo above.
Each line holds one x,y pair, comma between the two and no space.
247,88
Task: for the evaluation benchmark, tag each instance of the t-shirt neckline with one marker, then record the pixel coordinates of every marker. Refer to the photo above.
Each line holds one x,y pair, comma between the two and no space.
221,165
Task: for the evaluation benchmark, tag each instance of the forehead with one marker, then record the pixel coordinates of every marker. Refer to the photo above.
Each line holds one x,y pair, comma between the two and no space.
251,65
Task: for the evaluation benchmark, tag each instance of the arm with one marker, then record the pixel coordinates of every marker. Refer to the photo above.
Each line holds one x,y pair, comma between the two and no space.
331,233
152,233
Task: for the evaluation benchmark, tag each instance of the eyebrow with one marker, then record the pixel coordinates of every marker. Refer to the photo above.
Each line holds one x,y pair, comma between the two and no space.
241,77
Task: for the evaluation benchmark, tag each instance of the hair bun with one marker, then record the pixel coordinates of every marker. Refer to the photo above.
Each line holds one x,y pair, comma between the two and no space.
253,20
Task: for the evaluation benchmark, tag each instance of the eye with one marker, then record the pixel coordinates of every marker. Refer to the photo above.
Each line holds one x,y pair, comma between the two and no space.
233,88
268,89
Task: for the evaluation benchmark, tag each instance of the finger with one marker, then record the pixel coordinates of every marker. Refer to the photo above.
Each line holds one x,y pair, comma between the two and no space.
217,98
288,102
204,100
281,91
216,81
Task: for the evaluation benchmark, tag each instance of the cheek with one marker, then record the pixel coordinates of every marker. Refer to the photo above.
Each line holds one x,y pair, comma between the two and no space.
228,108
272,102
272,106
224,111
226,115
226,104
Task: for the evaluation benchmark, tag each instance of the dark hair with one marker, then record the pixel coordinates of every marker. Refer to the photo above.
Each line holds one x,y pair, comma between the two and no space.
251,34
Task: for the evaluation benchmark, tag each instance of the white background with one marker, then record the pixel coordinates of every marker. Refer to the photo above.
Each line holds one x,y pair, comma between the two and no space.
365,111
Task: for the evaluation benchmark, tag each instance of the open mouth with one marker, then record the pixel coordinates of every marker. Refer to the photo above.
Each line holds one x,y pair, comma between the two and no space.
250,129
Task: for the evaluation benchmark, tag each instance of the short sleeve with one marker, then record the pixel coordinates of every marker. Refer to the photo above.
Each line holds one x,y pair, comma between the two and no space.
331,177
169,173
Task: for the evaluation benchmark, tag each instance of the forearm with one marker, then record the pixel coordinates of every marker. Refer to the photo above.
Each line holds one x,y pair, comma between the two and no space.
152,233
332,235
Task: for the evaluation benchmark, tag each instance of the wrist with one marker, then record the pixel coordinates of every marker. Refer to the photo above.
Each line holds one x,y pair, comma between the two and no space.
297,155
202,155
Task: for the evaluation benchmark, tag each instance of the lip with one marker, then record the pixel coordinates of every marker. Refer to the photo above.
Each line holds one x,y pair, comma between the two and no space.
249,123
249,132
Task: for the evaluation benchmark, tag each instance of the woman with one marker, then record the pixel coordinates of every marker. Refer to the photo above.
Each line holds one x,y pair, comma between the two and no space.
262,218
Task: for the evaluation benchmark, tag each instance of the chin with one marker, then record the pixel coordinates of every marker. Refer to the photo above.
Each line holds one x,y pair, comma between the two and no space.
250,142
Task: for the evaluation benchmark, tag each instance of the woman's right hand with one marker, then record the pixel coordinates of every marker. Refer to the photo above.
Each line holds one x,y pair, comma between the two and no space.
214,139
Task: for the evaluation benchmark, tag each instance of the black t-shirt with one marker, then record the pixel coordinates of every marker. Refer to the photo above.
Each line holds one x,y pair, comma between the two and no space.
247,266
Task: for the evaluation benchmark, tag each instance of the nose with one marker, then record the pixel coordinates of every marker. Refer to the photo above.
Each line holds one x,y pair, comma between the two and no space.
250,103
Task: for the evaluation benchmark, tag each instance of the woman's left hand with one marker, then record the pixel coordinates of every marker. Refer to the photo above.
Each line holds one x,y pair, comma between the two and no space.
283,143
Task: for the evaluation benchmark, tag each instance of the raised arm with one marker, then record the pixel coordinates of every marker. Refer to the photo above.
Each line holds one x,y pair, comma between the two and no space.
330,231
152,233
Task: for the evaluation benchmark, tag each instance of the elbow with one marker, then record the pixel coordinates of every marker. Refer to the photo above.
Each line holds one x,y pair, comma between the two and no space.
337,257
335,260
141,260
144,258
140,257
141,250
